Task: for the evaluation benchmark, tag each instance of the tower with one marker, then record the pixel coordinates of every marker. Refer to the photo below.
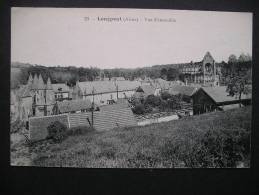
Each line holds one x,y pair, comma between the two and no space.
30,80
41,91
49,97
208,64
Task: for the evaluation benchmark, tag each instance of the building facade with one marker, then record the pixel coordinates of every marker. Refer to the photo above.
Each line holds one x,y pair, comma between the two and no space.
204,72
33,99
104,92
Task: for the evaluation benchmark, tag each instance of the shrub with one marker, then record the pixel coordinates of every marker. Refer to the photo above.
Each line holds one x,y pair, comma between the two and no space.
165,95
139,109
80,130
153,100
57,131
148,108
174,102
164,106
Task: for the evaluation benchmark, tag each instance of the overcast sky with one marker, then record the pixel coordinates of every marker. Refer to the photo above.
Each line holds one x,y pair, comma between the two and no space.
62,36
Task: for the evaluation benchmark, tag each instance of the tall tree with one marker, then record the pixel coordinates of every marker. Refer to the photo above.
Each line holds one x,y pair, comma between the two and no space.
238,84
163,73
232,59
172,74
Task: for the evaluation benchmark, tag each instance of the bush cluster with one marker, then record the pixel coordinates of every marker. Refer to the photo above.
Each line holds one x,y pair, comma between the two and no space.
57,131
165,102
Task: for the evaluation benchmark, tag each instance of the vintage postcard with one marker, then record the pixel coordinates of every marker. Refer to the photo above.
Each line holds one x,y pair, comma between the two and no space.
130,88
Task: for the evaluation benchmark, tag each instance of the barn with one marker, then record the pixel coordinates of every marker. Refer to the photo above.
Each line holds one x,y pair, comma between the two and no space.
208,99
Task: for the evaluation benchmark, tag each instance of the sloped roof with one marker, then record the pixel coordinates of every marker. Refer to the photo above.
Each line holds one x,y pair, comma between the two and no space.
62,86
219,94
127,85
49,85
41,84
161,83
73,105
208,55
112,116
98,86
181,89
30,79
35,82
146,89
119,105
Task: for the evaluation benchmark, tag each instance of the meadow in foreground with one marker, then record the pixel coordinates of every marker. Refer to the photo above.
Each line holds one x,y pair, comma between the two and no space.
219,139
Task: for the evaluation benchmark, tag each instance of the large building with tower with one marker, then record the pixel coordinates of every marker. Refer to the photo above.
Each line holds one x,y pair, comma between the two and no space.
204,72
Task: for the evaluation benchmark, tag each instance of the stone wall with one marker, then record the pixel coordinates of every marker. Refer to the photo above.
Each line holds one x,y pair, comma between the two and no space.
38,125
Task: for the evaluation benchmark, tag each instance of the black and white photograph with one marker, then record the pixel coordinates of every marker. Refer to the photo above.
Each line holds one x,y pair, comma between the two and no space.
130,88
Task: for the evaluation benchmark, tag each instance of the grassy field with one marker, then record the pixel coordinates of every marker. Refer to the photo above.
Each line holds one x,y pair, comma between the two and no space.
219,139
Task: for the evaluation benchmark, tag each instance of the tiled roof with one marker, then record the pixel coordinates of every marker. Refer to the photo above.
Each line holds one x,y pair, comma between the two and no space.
115,106
73,105
219,94
181,89
62,86
98,86
35,82
146,89
127,85
207,55
49,85
107,86
41,84
112,116
161,83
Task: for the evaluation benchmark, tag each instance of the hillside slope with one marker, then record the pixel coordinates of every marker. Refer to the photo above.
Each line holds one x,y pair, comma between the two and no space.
219,139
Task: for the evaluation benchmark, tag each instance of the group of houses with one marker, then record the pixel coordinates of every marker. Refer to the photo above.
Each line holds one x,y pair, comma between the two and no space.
38,98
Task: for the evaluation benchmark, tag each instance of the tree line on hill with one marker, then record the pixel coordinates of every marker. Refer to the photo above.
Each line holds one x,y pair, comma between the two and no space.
72,74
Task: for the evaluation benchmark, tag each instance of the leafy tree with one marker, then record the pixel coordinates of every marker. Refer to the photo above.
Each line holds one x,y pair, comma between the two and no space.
152,100
72,81
175,102
57,131
244,58
163,73
164,106
238,84
172,74
232,59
